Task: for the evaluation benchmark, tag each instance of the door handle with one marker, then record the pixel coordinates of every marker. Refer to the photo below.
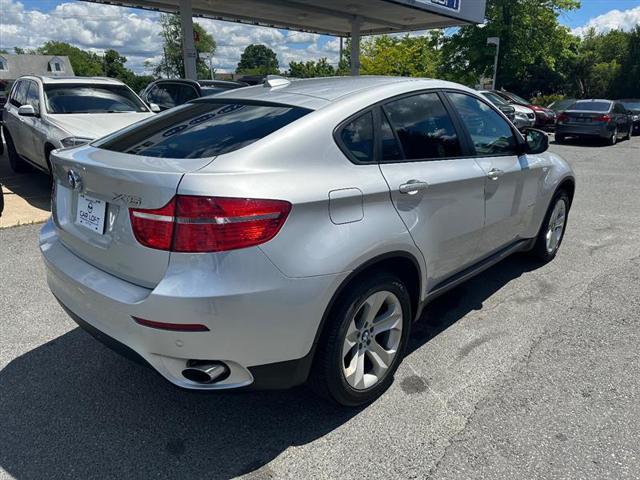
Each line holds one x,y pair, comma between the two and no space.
495,173
412,187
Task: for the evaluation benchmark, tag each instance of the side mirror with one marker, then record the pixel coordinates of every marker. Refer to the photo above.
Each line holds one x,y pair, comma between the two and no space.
536,140
27,111
154,107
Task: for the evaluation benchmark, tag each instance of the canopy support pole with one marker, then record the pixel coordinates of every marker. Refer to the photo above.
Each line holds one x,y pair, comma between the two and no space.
355,45
189,54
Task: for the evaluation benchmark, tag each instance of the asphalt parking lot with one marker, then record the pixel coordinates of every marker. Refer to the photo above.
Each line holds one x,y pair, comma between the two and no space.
525,372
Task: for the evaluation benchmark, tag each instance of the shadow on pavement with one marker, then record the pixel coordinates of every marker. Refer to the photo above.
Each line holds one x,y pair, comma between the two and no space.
73,408
584,142
33,186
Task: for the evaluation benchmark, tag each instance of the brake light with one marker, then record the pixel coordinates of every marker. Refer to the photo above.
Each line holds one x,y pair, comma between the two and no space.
154,228
602,118
209,224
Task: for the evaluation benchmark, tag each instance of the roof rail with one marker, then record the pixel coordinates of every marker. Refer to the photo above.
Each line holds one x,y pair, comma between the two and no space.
273,81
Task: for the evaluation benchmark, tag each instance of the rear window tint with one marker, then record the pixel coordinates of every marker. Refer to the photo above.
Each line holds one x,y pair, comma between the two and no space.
202,129
357,137
592,106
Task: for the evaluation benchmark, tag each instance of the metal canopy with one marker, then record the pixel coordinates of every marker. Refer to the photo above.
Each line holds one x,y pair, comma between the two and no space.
331,17
350,18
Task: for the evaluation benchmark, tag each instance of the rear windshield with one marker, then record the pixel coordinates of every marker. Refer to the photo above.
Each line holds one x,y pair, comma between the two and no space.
495,99
631,105
91,99
590,106
202,129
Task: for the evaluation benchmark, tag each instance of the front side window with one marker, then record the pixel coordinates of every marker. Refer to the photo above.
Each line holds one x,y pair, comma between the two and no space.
32,97
202,129
19,93
490,133
357,137
423,127
163,95
87,98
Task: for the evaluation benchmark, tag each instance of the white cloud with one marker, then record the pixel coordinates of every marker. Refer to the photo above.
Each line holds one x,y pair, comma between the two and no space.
135,34
613,20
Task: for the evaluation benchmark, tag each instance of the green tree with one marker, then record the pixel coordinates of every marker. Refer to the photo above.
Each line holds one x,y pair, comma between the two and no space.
258,60
311,69
19,51
627,83
172,64
84,63
534,47
407,56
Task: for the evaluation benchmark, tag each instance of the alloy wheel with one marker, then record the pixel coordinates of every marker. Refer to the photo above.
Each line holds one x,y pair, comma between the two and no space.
555,229
372,340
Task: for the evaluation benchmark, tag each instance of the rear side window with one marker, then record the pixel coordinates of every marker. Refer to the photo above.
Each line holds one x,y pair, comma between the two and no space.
202,129
390,149
424,128
357,137
490,133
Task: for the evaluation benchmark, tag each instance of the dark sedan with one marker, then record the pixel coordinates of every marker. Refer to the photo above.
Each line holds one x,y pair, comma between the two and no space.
604,119
169,93
545,118
633,105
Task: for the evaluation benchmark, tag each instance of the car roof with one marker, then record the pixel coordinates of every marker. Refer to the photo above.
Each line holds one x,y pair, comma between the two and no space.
315,93
585,100
73,80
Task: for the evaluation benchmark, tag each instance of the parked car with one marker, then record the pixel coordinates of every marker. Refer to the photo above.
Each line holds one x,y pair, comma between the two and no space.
545,118
605,119
1,200
633,106
275,234
170,93
501,104
560,106
523,117
45,113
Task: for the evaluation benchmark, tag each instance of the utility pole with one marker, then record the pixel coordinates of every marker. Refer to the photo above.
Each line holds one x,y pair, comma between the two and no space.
494,41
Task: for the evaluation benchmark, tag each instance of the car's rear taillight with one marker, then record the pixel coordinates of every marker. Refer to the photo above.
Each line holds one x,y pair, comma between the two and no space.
209,224
154,228
602,118
563,117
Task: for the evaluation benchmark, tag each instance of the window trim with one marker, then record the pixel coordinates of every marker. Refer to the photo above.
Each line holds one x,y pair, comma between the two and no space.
516,133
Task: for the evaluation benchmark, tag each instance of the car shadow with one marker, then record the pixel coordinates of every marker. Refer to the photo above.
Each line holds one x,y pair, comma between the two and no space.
72,408
33,186
583,142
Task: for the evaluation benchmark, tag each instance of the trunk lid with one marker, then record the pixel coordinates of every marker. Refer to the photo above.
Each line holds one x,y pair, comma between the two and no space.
107,184
582,117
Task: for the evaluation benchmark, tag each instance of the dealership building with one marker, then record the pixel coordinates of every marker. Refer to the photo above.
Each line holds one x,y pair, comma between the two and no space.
348,19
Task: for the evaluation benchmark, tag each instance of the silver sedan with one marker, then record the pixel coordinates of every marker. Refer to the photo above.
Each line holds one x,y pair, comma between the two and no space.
293,231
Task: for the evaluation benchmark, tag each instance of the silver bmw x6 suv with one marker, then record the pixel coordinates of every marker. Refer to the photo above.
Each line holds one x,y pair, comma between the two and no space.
294,231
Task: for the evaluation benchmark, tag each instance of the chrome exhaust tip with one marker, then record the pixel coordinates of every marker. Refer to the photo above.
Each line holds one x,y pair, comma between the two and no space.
205,371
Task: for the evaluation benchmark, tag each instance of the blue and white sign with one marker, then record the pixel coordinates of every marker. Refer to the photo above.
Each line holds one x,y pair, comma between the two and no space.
450,4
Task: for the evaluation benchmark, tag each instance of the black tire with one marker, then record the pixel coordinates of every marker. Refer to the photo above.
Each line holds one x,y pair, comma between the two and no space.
17,164
560,138
629,132
540,250
614,137
327,377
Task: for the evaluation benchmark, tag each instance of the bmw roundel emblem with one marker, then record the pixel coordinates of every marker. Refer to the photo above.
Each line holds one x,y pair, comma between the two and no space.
75,181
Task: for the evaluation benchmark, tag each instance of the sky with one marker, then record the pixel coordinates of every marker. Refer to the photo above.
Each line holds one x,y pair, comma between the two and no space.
134,33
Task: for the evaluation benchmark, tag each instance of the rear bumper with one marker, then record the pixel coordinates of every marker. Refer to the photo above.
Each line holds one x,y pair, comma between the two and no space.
264,327
601,131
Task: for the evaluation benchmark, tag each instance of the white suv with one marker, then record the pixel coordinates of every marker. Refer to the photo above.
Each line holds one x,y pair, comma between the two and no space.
45,113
